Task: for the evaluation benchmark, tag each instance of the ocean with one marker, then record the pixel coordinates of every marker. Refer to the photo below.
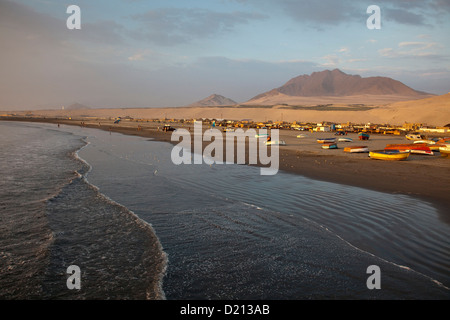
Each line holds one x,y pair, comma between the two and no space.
140,227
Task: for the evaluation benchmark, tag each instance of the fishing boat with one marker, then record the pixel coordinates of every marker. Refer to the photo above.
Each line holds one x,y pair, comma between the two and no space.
392,155
425,141
275,142
356,149
444,141
326,140
414,136
329,146
436,146
345,140
262,135
363,136
445,151
412,148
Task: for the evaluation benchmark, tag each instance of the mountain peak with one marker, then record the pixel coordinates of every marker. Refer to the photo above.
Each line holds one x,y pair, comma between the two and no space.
214,100
335,83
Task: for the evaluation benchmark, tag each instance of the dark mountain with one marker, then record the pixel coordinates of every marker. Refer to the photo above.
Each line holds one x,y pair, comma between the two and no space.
337,83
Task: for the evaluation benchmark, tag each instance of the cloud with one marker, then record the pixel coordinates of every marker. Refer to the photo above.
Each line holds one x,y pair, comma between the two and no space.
387,52
42,67
137,57
415,50
321,13
404,16
172,26
332,60
325,13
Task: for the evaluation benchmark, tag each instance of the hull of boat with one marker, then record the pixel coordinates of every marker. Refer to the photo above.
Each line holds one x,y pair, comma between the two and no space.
444,141
328,140
329,146
417,148
345,140
359,149
390,155
272,143
445,151
425,141
363,136
413,137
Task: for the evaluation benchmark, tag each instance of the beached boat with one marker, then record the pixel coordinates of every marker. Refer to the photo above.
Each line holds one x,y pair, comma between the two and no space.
412,148
363,136
444,141
326,140
435,147
414,136
356,149
345,140
392,155
445,151
262,135
275,142
329,146
425,141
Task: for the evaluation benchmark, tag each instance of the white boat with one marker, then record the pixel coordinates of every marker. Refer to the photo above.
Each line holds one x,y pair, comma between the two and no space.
357,149
425,141
326,140
345,140
275,142
262,135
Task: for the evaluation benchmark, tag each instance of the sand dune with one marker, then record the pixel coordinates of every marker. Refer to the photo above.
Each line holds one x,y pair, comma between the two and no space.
431,111
367,99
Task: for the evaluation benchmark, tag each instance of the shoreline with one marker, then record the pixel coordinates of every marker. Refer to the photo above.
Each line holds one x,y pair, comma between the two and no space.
424,177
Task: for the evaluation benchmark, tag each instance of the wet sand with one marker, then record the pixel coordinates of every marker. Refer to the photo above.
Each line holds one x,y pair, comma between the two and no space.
421,176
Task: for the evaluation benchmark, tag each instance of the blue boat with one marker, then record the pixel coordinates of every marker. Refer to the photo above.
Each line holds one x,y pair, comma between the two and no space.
363,136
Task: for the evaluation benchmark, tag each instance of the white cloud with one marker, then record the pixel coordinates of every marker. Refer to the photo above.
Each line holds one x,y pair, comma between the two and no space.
136,57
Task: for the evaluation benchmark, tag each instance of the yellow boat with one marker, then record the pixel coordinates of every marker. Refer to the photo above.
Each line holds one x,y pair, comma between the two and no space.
445,151
389,155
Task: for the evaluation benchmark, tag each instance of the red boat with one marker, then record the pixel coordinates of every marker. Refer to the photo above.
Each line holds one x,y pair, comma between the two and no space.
417,148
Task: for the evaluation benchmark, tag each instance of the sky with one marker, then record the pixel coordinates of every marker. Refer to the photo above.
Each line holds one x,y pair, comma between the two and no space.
168,53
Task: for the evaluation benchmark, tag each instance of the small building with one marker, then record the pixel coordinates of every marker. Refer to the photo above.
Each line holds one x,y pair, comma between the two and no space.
322,128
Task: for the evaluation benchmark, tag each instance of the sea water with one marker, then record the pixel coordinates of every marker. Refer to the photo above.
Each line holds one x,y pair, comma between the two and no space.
140,227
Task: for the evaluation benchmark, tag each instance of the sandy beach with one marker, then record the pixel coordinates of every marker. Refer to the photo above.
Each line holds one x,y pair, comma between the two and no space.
422,176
